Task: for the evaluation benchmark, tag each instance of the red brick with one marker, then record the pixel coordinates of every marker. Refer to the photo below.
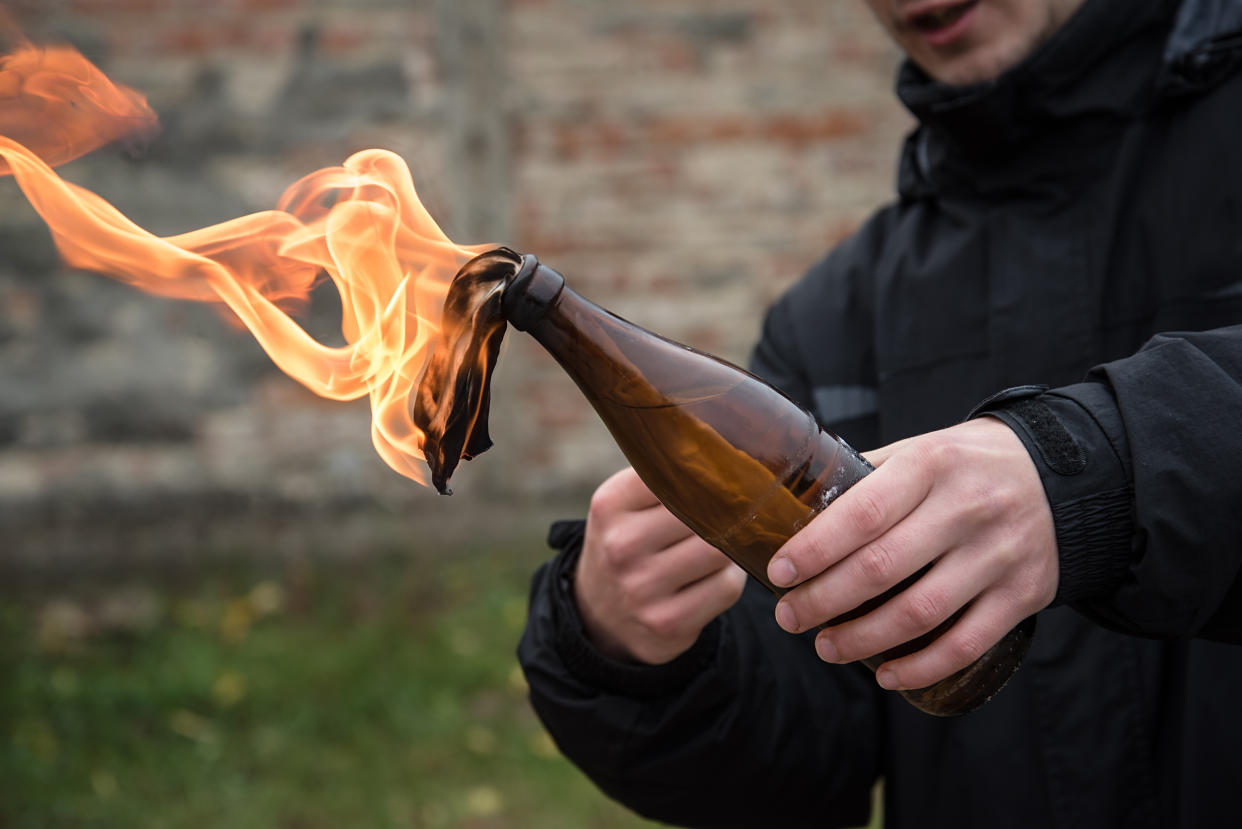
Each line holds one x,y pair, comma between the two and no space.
268,5
189,39
338,41
96,7
611,138
803,129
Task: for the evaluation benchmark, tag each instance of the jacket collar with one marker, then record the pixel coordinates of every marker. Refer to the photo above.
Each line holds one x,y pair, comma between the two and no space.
1104,60
1113,60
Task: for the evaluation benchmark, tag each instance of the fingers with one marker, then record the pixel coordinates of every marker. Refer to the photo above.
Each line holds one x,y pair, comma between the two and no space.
951,534
876,457
656,611
624,491
644,584
874,569
625,541
982,625
942,591
858,517
685,613
689,561
626,518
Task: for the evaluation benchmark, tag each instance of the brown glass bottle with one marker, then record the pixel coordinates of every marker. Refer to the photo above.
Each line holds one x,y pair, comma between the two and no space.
736,460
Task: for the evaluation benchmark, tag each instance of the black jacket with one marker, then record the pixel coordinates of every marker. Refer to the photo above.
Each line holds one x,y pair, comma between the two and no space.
1050,222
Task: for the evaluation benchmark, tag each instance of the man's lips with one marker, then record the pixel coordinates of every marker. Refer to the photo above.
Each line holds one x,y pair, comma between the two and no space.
937,18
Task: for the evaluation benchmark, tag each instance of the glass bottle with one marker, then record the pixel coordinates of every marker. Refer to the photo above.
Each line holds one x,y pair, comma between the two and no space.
736,460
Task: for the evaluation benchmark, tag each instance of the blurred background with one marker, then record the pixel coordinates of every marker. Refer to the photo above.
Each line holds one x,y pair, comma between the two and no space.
217,604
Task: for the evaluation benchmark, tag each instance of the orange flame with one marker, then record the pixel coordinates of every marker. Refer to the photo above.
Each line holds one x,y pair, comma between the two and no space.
361,223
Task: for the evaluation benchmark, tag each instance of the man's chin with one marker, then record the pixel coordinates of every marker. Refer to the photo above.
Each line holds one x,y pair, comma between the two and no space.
969,69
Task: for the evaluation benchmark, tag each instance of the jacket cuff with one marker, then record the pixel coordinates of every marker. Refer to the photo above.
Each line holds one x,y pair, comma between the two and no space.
590,665
1075,437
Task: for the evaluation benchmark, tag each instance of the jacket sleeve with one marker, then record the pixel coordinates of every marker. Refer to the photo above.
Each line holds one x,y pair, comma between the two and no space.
1141,467
745,729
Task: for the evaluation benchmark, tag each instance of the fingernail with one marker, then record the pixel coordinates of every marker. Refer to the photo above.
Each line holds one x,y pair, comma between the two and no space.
887,679
782,572
826,650
786,618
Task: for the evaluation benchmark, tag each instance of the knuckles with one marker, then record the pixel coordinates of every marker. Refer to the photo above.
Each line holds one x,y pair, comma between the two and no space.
605,503
876,564
660,623
867,514
923,609
940,451
929,454
982,504
963,647
618,542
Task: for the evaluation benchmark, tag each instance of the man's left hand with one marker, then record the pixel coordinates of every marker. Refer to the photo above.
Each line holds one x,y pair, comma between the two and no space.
967,500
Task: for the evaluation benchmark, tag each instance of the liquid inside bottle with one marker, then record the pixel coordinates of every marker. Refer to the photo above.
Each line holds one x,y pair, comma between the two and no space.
735,459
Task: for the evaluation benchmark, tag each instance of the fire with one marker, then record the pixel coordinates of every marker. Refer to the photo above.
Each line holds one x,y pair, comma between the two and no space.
361,224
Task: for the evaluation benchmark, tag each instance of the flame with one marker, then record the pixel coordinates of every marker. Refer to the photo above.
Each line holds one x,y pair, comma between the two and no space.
361,224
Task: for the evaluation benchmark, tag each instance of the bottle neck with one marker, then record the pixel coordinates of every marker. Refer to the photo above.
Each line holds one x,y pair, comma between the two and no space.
589,342
532,292
583,337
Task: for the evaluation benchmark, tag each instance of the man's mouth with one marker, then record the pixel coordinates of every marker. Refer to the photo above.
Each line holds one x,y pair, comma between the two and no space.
939,18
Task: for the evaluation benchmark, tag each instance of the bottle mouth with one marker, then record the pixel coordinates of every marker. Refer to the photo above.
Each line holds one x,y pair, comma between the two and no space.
531,293
531,288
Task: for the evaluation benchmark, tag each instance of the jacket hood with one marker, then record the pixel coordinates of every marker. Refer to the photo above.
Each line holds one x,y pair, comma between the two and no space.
1207,32
1111,61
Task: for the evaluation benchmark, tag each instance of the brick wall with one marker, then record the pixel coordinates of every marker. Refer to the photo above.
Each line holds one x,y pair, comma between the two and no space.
681,161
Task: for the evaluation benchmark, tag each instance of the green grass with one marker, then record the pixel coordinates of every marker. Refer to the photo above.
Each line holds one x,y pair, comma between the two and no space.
317,695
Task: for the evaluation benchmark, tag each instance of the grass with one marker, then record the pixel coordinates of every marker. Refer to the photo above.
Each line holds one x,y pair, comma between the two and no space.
316,695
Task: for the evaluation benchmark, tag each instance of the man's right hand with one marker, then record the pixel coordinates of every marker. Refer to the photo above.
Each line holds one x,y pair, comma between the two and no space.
646,586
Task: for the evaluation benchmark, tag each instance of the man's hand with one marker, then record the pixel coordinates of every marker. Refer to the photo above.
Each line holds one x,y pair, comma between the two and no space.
967,499
646,586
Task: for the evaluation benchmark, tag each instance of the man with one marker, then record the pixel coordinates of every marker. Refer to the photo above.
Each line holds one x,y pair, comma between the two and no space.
1073,190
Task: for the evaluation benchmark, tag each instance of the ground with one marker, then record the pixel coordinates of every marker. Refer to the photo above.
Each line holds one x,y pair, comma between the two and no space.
306,694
